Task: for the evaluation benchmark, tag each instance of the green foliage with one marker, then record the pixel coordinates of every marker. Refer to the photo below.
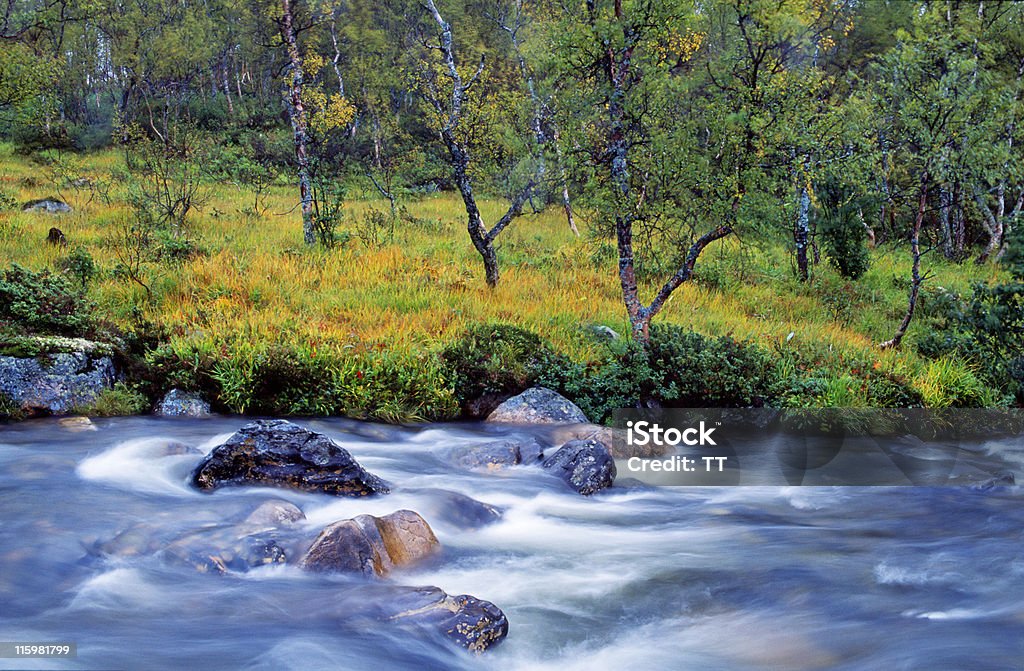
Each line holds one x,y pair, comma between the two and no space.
987,328
295,380
9,410
845,243
678,368
495,360
43,302
80,264
118,401
7,201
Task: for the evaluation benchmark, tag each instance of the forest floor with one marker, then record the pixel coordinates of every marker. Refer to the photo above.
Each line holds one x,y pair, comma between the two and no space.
254,284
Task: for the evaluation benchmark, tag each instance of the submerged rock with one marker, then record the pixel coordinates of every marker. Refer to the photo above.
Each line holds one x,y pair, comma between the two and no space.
496,454
178,403
371,545
584,465
458,510
226,550
278,453
77,424
469,622
275,513
538,405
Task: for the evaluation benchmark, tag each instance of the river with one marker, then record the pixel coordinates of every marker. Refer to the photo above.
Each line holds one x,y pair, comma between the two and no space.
710,578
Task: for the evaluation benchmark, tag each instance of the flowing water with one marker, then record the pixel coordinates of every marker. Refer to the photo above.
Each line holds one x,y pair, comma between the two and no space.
703,578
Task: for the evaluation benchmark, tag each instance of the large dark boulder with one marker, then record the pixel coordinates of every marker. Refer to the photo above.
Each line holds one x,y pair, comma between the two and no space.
584,465
371,545
538,405
277,453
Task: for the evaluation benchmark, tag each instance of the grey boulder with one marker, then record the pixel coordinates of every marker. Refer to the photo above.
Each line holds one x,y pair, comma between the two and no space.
584,465
538,405
178,403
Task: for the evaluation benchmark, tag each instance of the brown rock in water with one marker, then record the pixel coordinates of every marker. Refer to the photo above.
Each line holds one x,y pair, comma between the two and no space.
277,453
371,545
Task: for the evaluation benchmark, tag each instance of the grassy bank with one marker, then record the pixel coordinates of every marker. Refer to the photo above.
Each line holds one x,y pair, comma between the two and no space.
369,320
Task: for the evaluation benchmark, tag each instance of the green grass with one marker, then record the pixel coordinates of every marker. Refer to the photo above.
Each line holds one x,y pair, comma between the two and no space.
257,285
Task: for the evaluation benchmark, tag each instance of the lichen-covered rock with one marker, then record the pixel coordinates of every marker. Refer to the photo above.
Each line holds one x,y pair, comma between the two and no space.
538,405
371,545
584,465
278,453
48,205
178,403
469,622
54,384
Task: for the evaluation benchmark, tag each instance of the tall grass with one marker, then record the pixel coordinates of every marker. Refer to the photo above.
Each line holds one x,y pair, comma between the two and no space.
257,285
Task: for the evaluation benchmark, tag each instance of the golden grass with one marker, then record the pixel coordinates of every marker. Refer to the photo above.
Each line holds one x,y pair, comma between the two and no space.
258,283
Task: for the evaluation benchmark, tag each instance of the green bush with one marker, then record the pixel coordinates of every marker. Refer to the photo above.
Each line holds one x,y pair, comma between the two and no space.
678,368
119,401
80,264
844,239
987,328
43,302
491,362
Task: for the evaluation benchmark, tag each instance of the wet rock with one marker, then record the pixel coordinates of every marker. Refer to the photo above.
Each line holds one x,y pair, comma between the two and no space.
996,482
278,453
49,205
178,403
226,550
469,622
274,513
54,384
614,440
76,424
173,448
584,465
459,510
538,405
371,545
496,454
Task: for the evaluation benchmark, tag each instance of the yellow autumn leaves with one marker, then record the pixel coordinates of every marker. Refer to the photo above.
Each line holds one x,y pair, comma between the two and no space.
324,112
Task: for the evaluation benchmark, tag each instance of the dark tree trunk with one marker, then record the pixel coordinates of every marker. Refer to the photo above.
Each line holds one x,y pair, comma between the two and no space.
915,271
451,112
618,78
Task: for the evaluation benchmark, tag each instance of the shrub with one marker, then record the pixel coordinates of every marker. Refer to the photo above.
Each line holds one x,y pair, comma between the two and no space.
80,264
844,239
491,362
43,302
121,400
987,328
678,368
